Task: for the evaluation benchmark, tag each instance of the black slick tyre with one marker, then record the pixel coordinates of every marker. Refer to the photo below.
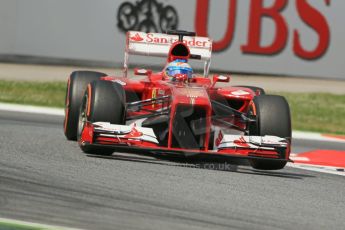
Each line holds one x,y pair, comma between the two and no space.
76,86
103,101
272,118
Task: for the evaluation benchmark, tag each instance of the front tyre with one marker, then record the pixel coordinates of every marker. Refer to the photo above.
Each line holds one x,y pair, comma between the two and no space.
76,86
104,101
272,118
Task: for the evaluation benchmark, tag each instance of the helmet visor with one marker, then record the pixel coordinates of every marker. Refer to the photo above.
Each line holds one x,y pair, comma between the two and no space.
173,71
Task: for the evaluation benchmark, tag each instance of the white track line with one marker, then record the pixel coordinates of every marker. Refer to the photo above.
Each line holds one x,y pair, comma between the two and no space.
314,137
313,167
31,109
318,168
33,225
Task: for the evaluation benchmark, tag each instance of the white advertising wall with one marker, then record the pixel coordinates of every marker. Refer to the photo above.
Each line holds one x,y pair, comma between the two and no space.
285,37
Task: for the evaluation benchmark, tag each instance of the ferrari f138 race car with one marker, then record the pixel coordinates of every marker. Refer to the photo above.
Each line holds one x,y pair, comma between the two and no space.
175,111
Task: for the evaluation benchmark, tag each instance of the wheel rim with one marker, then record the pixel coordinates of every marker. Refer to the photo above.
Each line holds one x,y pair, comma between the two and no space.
82,116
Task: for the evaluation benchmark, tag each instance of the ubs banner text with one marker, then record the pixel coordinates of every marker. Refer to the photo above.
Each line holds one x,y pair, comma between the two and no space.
285,37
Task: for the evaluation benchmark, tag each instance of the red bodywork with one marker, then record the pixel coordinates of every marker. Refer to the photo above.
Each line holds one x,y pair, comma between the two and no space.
196,93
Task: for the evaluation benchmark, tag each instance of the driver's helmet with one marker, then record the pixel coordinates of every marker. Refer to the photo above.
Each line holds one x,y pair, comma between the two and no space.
179,66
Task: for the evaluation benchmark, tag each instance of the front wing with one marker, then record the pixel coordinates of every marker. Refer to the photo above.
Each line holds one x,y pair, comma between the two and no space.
131,138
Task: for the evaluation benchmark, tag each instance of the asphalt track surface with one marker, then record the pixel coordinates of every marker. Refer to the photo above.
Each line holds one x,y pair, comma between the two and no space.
46,179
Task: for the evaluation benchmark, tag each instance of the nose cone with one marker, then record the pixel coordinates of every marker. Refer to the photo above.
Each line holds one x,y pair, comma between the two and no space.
196,96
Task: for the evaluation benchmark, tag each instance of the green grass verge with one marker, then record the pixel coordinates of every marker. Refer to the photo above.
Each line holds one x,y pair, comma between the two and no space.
318,112
10,226
34,93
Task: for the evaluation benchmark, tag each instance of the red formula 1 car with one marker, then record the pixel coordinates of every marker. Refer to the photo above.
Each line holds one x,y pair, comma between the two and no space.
173,112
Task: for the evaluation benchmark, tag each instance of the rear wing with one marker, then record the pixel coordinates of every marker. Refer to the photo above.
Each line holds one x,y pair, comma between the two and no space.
158,45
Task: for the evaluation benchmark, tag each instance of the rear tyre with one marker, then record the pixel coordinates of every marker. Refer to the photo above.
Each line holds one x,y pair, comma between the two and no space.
257,90
104,101
76,86
273,118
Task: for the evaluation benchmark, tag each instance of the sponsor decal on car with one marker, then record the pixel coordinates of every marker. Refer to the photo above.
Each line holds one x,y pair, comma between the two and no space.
154,38
219,138
241,142
137,38
161,92
134,133
154,96
192,99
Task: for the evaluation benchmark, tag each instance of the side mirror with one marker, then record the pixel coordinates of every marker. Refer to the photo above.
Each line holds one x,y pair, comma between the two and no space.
220,78
142,72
